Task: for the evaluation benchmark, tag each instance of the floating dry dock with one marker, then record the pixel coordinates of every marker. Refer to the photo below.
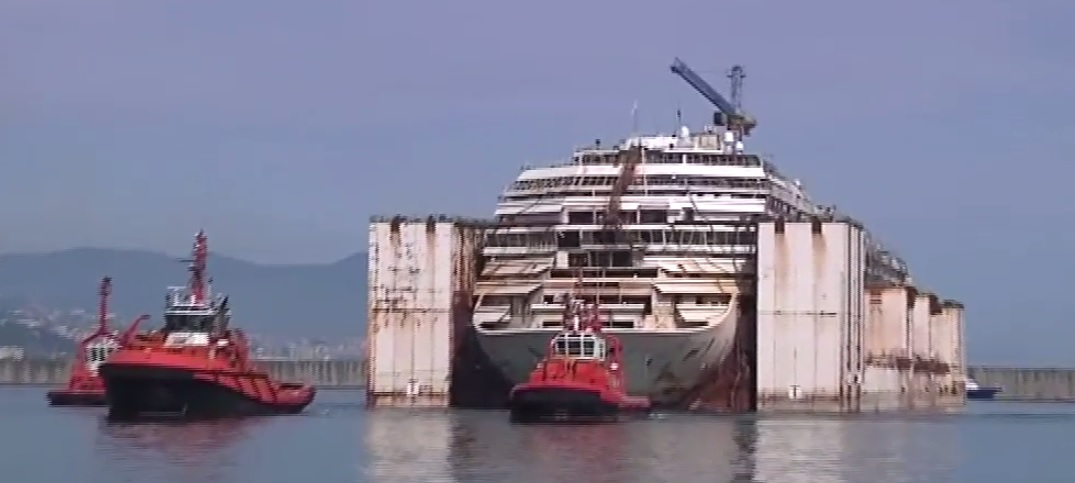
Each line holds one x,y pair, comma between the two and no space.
812,333
827,340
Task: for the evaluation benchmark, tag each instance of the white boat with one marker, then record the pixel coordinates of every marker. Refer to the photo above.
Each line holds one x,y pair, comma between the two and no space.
974,391
659,229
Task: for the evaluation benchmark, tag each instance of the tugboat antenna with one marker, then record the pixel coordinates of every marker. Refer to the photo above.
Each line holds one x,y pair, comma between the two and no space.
102,304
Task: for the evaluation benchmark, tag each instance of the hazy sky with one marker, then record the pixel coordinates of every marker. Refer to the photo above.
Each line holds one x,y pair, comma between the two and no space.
281,126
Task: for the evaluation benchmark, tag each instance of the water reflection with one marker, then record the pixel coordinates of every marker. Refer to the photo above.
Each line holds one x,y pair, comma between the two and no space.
583,453
407,445
855,448
200,452
675,449
482,446
800,450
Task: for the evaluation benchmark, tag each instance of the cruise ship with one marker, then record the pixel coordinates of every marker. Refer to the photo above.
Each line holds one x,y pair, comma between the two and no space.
659,230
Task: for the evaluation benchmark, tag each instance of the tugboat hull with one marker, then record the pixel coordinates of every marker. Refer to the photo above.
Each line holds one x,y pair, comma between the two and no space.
143,391
559,402
74,397
555,404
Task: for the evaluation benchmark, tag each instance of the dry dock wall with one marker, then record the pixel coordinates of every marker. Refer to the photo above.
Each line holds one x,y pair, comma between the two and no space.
810,316
421,277
324,373
828,342
914,345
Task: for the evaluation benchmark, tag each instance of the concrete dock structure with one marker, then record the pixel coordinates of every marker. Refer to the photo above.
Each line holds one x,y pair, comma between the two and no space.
421,280
810,316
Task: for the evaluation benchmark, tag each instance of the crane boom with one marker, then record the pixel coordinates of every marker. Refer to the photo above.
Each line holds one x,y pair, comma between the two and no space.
629,161
735,117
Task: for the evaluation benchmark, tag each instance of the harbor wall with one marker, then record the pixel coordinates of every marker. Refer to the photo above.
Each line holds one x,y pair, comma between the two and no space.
1027,384
420,342
1018,384
338,373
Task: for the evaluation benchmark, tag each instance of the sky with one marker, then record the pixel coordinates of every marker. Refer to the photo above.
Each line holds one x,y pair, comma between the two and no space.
280,127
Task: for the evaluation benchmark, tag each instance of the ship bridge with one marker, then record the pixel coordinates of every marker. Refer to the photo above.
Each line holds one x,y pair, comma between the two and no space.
184,313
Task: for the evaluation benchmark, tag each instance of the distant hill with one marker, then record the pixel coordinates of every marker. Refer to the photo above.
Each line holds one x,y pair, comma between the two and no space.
36,340
326,300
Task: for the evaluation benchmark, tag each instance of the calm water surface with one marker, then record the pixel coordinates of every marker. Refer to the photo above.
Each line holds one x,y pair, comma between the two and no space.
338,441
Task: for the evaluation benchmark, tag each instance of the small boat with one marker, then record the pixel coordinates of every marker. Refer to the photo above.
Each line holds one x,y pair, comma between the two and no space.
196,366
974,391
581,376
84,386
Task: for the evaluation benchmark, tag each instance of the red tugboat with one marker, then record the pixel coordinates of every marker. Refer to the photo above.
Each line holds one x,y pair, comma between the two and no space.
196,366
84,387
581,376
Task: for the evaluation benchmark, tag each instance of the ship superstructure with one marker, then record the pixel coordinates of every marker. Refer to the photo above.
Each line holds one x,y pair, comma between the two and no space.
659,229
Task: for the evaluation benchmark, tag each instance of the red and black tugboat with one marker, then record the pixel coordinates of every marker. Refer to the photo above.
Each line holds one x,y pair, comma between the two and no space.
196,366
581,376
84,387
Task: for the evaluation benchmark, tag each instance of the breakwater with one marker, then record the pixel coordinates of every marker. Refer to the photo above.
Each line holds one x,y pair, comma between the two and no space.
1019,384
340,374
1027,384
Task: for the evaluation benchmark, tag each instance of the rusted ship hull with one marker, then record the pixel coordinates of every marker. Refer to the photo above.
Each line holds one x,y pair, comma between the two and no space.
660,364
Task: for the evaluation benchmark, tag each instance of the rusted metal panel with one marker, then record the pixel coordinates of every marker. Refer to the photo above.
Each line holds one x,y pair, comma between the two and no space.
954,351
810,315
921,318
417,268
942,337
888,325
881,388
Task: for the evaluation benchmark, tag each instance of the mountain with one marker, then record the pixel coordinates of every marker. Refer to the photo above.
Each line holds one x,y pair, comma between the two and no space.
325,301
36,339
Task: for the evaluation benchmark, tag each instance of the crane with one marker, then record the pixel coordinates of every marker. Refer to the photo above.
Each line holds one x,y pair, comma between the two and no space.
628,161
730,114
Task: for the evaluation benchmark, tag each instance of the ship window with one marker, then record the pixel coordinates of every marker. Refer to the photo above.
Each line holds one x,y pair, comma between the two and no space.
653,216
580,217
582,346
568,239
187,322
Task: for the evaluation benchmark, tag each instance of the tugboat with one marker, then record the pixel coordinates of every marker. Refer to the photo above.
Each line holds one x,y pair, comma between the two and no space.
196,366
84,387
581,377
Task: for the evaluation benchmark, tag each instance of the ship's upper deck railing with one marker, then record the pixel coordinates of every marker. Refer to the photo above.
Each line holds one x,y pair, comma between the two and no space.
580,346
180,300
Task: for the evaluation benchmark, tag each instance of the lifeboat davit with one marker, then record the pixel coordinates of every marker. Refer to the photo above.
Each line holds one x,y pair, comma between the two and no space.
196,366
84,386
581,376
